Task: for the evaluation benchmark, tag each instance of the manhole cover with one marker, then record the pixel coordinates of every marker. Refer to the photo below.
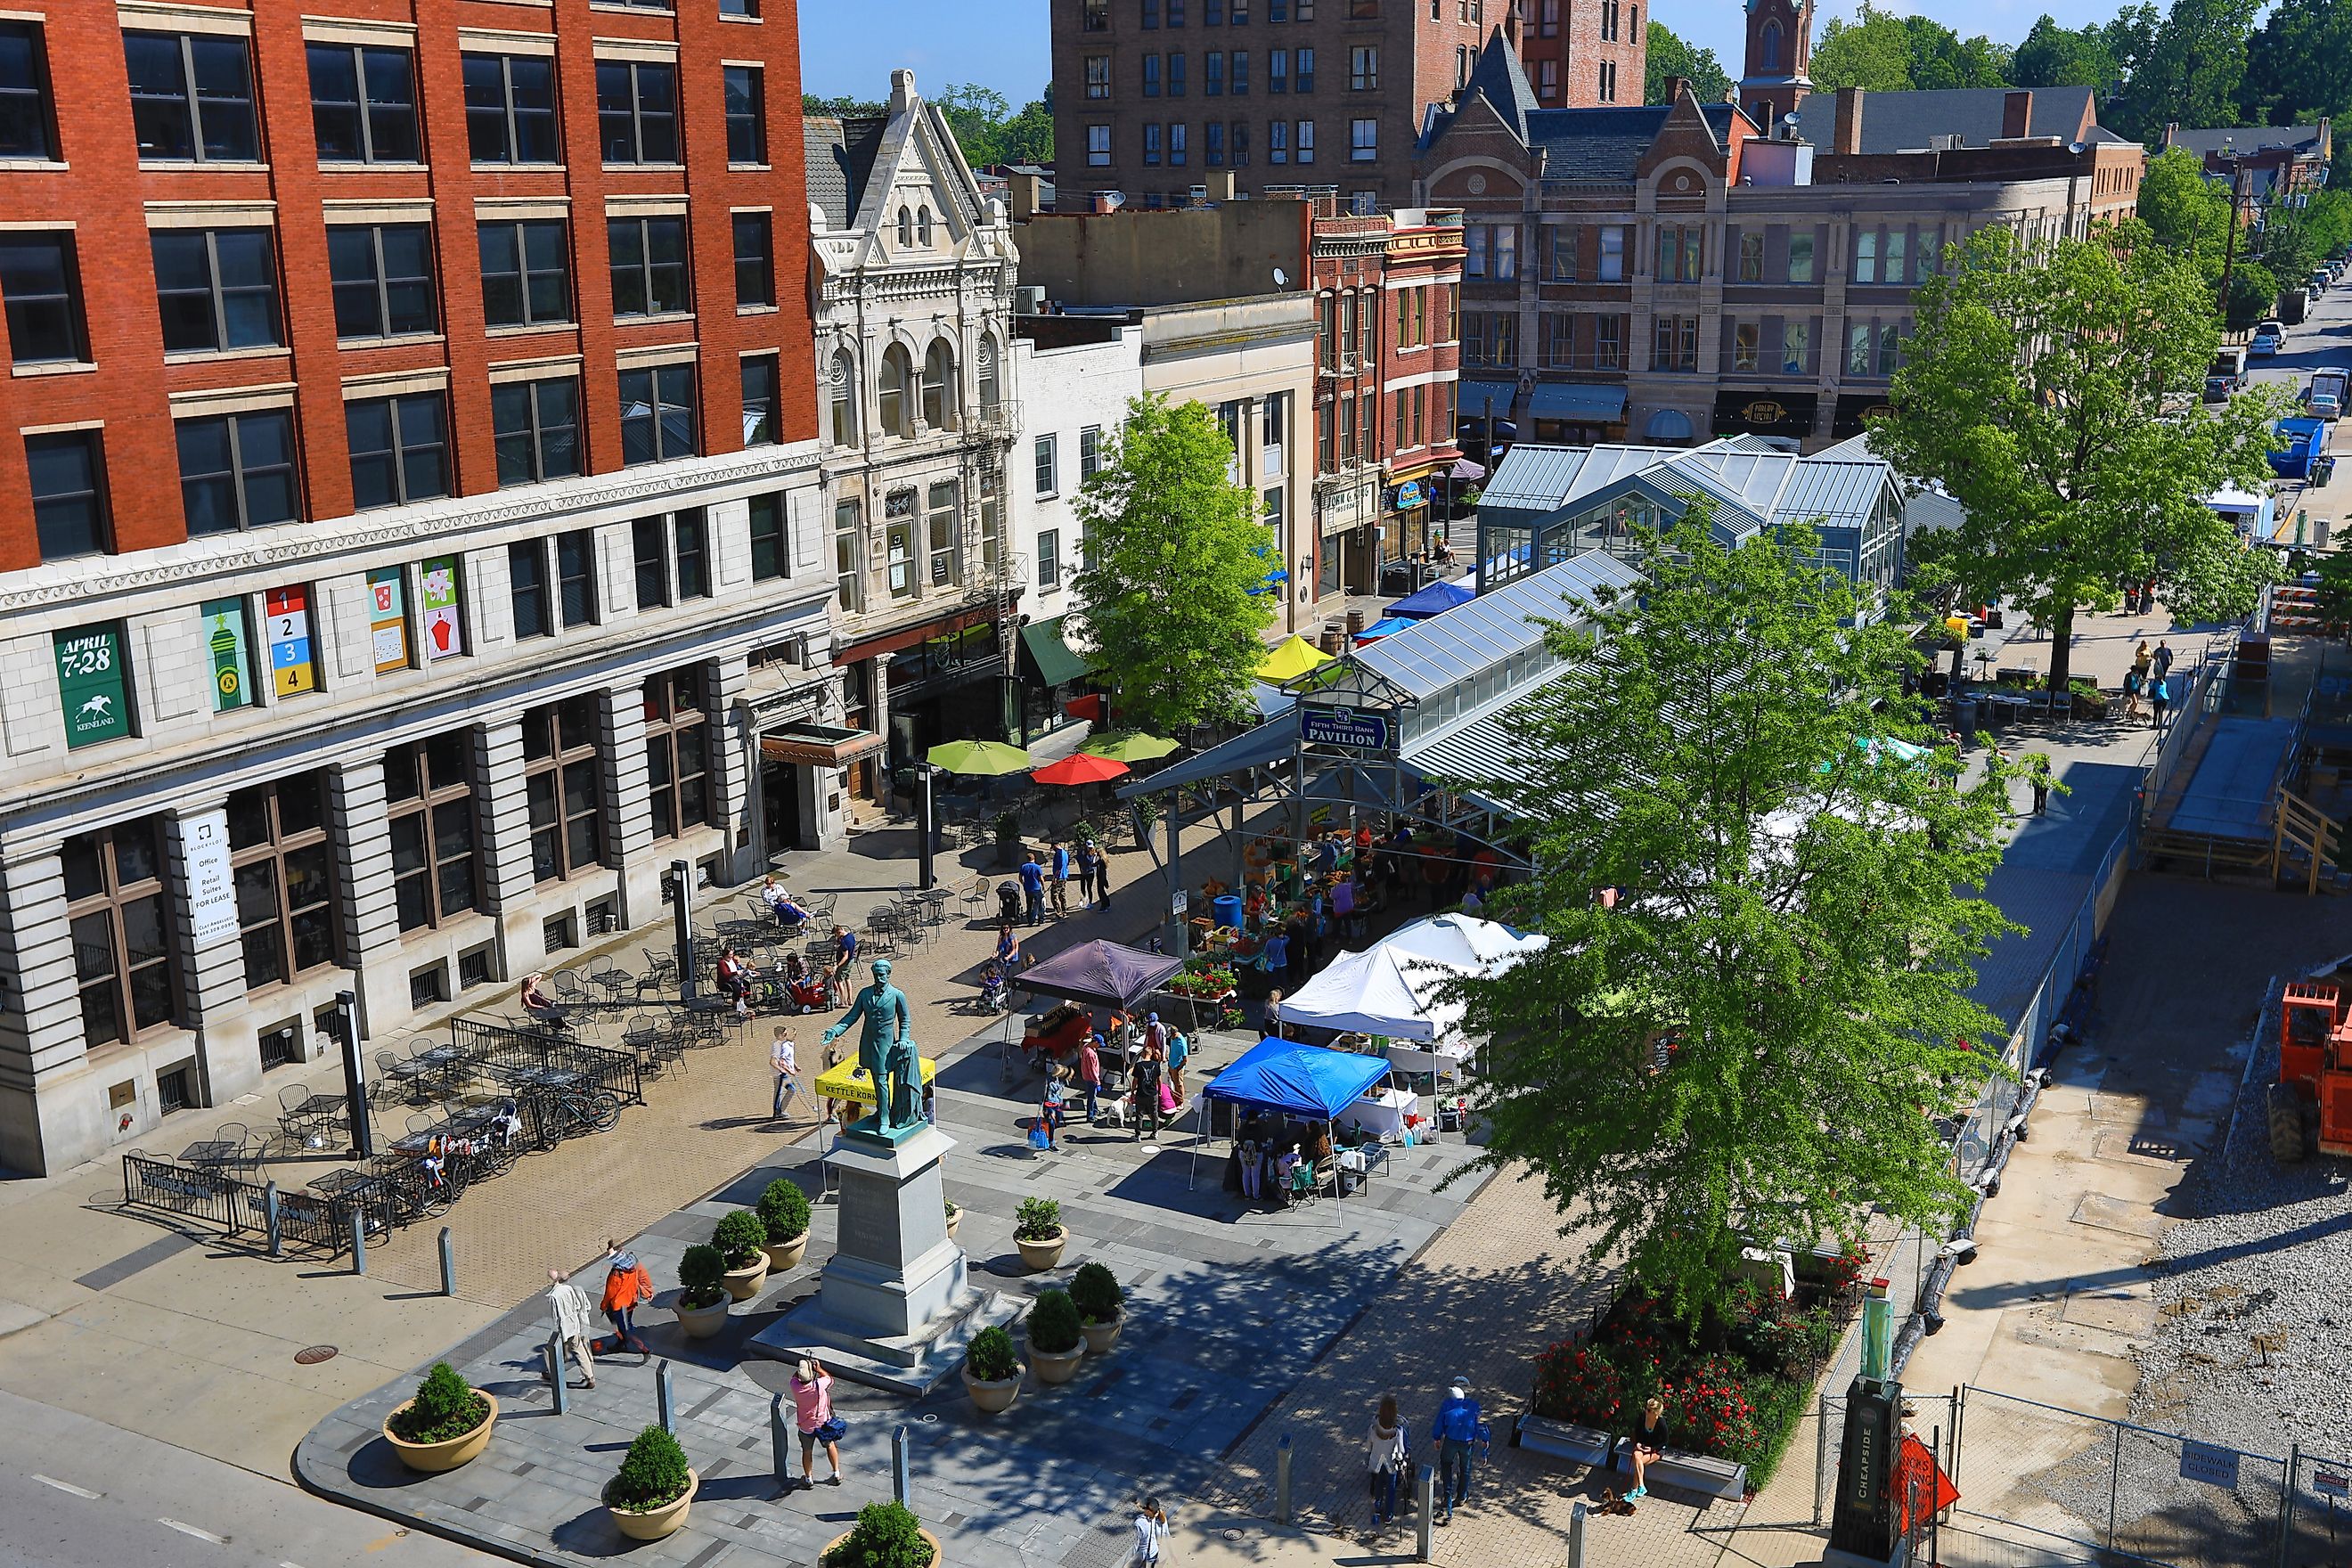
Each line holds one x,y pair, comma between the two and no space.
1233,1535
311,1355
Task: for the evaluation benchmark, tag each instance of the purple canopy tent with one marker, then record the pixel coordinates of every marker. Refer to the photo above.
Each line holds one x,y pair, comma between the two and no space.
1099,975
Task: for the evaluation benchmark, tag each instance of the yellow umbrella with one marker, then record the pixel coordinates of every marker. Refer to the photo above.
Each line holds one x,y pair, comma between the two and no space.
986,759
1129,746
1294,657
847,1080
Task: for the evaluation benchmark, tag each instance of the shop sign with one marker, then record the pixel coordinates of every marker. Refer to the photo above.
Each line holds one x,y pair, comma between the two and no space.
1348,727
90,687
229,642
292,669
445,624
1409,496
388,619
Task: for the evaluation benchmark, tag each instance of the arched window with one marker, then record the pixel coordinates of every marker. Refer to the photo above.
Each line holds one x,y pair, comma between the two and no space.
1767,47
843,395
905,226
897,372
939,385
923,226
991,387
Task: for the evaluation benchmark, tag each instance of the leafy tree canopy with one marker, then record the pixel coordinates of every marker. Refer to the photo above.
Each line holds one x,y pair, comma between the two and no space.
1942,58
1173,548
2187,213
1872,51
991,132
1672,55
2299,64
1739,1045
2053,56
2190,70
843,105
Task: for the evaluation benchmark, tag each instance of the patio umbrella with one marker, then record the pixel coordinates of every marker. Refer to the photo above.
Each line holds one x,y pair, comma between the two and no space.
985,759
1295,656
1129,746
1464,468
1080,768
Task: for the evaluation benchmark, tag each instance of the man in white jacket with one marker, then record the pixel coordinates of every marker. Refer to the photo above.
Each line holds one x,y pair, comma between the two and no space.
573,1315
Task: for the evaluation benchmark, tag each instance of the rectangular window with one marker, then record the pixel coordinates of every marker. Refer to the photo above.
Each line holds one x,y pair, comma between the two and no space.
1049,559
575,576
1751,259
649,270
1743,345
122,947
428,788
1175,76
1302,68
848,576
1212,138
1098,146
1363,68
383,281
1561,242
217,288
1506,250
1098,77
1363,141
510,108
1865,257
42,286
1241,69
1346,428
1277,10
1560,338
1800,258
526,578
1796,347
525,273
388,619
1213,13
362,104
283,869
1306,140
237,471
658,415
293,664
650,547
536,425
691,529
68,486
1176,150
1931,252
1613,253
677,752
1547,81
636,111
1678,344
1277,70
755,265
400,448
24,129
1890,349
770,553
746,90
943,526
1152,146
1609,343
1608,82
1047,481
563,783
1681,253
1897,245
1212,74
1094,15
1175,12
760,383
1277,142
191,97
1857,348
1151,13
1151,75
93,683
440,592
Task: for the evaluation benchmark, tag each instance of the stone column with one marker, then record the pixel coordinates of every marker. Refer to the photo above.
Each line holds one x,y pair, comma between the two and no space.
370,911
47,1125
733,750
507,880
212,973
628,811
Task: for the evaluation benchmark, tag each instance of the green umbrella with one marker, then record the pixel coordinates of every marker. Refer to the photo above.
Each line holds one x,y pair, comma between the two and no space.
988,759
1130,746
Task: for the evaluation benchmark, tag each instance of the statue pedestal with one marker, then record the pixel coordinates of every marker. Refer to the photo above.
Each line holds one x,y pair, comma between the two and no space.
894,1309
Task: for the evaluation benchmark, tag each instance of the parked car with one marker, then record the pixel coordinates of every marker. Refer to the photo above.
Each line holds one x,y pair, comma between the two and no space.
2267,342
2325,397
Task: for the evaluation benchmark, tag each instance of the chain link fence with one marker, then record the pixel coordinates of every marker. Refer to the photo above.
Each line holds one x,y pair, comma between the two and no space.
2319,1512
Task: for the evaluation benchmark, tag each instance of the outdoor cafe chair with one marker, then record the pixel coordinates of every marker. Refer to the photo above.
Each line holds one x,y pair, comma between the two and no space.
291,1099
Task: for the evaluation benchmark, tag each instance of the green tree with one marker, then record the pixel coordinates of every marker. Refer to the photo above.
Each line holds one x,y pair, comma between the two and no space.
2286,245
2054,390
1738,1046
1872,51
2188,213
989,129
1173,548
843,106
2254,295
2191,70
1672,55
2053,56
2299,64
1939,58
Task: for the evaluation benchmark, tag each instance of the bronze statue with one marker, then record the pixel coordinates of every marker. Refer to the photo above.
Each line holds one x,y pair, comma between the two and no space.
886,1050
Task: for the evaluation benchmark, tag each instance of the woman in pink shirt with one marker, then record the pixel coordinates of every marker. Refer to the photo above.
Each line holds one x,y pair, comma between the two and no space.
812,1410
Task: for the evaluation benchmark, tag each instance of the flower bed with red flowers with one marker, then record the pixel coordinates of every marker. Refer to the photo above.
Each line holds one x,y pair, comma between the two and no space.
1735,1382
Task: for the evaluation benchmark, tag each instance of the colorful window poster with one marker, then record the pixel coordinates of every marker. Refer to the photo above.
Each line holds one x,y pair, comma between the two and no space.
388,619
229,642
291,666
91,686
445,626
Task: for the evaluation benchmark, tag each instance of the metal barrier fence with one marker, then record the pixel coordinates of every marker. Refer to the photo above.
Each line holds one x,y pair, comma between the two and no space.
494,1045
237,1208
2319,1511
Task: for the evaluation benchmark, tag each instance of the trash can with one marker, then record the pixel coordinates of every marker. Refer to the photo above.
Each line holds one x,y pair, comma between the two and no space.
1226,910
1964,716
2322,470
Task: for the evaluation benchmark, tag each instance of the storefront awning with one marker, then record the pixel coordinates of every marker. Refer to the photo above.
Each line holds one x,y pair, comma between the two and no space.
1855,410
819,745
1585,405
1788,414
1472,396
1049,657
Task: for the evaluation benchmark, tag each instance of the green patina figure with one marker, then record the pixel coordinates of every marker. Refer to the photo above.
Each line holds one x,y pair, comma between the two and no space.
886,1050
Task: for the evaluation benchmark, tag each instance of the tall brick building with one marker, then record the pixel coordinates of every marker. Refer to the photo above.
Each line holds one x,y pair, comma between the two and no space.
407,488
1149,95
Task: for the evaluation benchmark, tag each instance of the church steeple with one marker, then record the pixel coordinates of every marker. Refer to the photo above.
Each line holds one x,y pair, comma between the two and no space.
1779,59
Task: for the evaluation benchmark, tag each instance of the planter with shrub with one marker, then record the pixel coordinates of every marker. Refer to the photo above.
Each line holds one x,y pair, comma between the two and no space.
784,1210
447,1423
1102,1306
1057,1341
888,1535
991,1370
1008,840
954,1215
742,1238
1037,1231
702,1302
649,1497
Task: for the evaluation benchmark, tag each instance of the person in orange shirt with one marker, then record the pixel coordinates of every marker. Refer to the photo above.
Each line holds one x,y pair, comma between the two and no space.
628,1286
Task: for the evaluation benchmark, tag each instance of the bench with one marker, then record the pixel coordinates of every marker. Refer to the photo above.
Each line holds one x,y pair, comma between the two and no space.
1586,1446
1589,1445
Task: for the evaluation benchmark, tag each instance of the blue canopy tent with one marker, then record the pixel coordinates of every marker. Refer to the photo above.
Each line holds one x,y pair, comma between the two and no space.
1311,1082
1387,626
1434,600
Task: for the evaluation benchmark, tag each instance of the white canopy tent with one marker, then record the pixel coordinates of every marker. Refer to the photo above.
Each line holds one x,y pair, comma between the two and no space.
1465,943
1382,992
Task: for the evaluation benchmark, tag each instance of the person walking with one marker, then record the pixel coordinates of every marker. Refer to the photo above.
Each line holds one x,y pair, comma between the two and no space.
1648,1444
1085,859
1455,1432
1150,1530
1033,890
2132,679
1057,879
1090,1071
2159,700
571,1323
812,1414
1143,1091
2162,662
787,1068
1101,874
1385,1459
628,1286
845,953
1179,1050
1049,1109
1270,1017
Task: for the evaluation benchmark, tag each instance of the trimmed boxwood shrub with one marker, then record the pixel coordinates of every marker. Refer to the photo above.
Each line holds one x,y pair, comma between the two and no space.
784,1209
698,1271
653,1474
1095,1291
446,1406
991,1357
887,1535
1054,1324
738,1237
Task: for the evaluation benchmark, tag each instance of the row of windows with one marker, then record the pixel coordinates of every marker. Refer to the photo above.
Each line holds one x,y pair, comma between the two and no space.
1884,254
1226,145
1873,347
192,100
906,402
1094,15
1286,70
1350,316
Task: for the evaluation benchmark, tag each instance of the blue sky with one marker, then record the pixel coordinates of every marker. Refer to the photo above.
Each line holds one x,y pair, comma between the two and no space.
1003,44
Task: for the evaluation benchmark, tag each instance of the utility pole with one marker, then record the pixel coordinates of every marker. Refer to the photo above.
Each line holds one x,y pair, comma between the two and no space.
2230,254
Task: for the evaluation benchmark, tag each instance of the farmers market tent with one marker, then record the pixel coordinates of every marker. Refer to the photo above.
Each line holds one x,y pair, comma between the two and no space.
1465,942
1310,1082
1099,975
1385,991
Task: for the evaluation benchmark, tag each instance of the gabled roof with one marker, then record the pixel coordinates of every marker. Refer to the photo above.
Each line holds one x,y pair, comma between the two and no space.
1586,145
1502,82
840,158
1906,121
1742,476
1432,655
2246,140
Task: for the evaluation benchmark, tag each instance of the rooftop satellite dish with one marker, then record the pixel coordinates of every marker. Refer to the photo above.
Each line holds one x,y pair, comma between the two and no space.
1280,280
2073,146
1791,118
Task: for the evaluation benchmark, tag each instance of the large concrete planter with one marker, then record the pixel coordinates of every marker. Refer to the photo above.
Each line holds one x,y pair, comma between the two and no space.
1040,1256
701,1323
785,1255
653,1524
834,1545
955,1219
1100,1336
431,1458
993,1398
744,1283
1058,1366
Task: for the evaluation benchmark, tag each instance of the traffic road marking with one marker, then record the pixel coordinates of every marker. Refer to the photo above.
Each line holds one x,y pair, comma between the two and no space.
83,1492
201,1534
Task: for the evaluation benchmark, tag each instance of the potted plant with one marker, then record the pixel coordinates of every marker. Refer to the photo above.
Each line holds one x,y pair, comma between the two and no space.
446,1424
1008,838
1057,1342
702,1303
1037,1231
784,1209
954,1213
649,1497
742,1238
991,1370
1101,1304
888,1535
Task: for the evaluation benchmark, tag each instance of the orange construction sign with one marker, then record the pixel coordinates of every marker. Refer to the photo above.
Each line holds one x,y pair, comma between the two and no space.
1917,1474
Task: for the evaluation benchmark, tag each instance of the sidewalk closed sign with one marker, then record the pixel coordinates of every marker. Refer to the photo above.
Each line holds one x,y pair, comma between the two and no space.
90,687
2214,1467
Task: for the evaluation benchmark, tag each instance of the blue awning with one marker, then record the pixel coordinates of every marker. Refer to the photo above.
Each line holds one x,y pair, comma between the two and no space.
1311,1081
1470,398
1565,400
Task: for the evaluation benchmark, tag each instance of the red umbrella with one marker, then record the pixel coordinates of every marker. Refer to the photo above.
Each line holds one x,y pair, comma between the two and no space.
1080,768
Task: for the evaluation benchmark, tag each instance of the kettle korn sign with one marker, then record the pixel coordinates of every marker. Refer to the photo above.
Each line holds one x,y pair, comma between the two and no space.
91,685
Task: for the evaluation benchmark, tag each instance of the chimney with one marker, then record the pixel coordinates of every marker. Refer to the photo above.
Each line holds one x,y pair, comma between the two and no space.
1846,137
1220,184
1027,192
902,91
1676,87
2171,133
2017,114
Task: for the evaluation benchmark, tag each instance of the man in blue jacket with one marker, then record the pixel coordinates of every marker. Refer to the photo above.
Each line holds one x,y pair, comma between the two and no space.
1456,1433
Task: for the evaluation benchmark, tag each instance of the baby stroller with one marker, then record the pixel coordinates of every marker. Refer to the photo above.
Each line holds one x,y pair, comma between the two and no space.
995,994
1008,901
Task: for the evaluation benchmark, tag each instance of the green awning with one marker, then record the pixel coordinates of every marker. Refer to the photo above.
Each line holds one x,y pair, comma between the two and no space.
1050,657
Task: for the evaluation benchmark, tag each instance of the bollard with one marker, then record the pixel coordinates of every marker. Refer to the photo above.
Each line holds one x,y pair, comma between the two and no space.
1576,1515
902,1481
662,1402
359,1242
557,1376
1282,1481
780,1442
271,1222
448,1265
1425,1491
